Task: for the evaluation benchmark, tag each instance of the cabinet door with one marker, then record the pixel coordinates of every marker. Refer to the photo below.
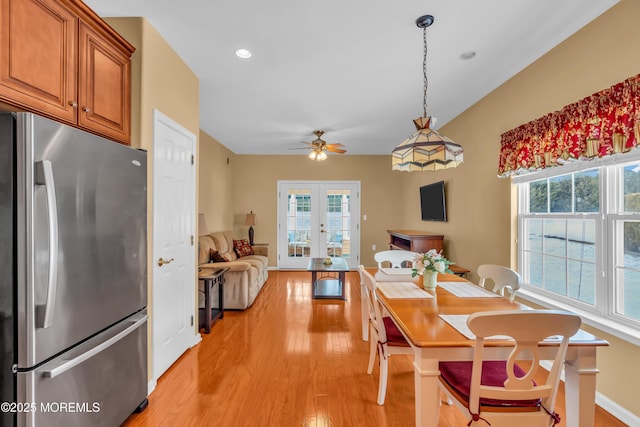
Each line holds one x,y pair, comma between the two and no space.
104,80
38,57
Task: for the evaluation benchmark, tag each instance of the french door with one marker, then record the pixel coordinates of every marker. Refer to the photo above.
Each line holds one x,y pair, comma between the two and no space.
318,219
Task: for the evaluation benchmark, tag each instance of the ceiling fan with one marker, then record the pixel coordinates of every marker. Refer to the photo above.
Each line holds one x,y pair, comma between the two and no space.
318,147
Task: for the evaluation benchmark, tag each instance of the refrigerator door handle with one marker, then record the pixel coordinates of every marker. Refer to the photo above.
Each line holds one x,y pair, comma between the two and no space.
69,364
44,176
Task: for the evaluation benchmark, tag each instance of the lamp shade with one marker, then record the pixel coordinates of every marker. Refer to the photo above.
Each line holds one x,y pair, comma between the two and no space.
251,219
426,150
203,230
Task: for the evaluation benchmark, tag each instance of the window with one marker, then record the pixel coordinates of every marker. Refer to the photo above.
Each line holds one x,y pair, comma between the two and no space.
579,238
299,215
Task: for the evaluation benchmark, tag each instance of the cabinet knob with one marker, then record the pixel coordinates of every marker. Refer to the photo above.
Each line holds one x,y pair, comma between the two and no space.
86,109
73,104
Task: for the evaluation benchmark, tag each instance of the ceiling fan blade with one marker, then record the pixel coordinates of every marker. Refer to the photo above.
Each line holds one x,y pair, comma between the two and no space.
336,144
336,150
300,148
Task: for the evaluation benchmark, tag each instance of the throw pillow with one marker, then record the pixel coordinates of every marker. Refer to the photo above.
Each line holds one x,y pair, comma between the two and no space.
215,256
242,247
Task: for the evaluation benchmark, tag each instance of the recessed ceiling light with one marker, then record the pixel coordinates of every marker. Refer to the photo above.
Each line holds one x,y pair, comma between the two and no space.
468,55
243,53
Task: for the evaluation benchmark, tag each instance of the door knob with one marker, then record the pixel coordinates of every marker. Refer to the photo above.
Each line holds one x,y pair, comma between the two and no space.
322,231
162,262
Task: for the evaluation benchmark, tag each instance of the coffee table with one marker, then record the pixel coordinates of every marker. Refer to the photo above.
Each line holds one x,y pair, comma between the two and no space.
328,280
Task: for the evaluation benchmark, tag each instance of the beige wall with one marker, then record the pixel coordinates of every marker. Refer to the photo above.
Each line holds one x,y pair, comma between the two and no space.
604,53
216,194
255,186
480,222
481,226
162,81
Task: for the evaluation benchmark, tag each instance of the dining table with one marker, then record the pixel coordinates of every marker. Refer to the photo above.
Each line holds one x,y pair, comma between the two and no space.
433,324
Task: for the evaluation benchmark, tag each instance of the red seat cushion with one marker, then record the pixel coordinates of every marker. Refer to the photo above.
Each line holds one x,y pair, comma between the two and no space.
458,377
394,336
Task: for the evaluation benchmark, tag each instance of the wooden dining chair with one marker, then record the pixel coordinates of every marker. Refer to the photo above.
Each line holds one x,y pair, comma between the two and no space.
399,260
385,338
395,259
502,392
502,277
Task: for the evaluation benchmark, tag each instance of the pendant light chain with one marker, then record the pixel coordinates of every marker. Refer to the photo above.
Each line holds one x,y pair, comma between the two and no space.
424,73
426,149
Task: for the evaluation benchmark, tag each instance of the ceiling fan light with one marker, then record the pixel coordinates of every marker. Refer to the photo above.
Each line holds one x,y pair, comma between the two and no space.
313,155
321,156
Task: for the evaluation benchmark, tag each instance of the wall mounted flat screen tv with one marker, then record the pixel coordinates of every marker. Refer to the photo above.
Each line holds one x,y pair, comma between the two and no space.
432,202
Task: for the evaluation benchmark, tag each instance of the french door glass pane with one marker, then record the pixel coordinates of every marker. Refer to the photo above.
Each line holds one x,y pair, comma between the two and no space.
338,227
298,222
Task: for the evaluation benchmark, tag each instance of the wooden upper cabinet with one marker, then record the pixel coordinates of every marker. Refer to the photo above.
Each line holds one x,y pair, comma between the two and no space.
59,59
38,57
104,86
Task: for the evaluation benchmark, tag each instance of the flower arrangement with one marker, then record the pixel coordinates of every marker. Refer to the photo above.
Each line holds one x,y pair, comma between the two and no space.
430,261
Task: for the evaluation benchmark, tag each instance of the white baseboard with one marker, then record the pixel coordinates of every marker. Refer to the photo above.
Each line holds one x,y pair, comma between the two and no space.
196,340
151,386
618,411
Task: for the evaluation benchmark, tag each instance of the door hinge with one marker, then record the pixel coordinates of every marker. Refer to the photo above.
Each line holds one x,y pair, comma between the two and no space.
192,320
192,240
193,159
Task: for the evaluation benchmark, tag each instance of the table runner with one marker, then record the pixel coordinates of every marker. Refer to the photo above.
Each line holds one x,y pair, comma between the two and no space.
467,290
459,323
402,290
396,271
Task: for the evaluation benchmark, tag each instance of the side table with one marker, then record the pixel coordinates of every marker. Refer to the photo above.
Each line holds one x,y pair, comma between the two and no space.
208,315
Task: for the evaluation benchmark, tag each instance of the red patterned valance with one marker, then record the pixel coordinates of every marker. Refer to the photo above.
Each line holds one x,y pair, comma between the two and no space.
602,124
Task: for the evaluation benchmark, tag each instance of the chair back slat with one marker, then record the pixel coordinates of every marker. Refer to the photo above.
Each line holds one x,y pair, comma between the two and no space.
528,328
502,277
395,258
375,311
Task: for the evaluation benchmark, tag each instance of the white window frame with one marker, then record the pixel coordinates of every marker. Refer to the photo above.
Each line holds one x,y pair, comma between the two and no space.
603,315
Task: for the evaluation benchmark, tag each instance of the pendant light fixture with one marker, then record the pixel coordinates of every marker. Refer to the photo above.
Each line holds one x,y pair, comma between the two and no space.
426,149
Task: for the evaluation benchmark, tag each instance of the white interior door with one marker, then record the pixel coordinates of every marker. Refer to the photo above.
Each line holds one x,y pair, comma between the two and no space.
318,219
174,202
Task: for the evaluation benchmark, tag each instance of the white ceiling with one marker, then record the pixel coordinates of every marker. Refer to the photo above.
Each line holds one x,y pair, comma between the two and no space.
350,67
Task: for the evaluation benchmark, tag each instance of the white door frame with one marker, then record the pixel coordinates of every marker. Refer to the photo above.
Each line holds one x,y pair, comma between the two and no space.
188,224
282,258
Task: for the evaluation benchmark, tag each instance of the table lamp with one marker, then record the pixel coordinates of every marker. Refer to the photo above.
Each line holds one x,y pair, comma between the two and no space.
251,220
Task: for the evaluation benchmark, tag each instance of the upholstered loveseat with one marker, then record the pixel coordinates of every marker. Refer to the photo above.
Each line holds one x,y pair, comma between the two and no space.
246,274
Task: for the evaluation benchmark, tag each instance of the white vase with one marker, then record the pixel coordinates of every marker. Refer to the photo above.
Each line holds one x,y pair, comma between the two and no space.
430,280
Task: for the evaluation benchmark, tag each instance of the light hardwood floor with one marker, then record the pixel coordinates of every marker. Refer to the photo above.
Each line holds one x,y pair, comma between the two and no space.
290,361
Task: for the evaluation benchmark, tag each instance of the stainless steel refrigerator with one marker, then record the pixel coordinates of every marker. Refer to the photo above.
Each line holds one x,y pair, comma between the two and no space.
73,276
